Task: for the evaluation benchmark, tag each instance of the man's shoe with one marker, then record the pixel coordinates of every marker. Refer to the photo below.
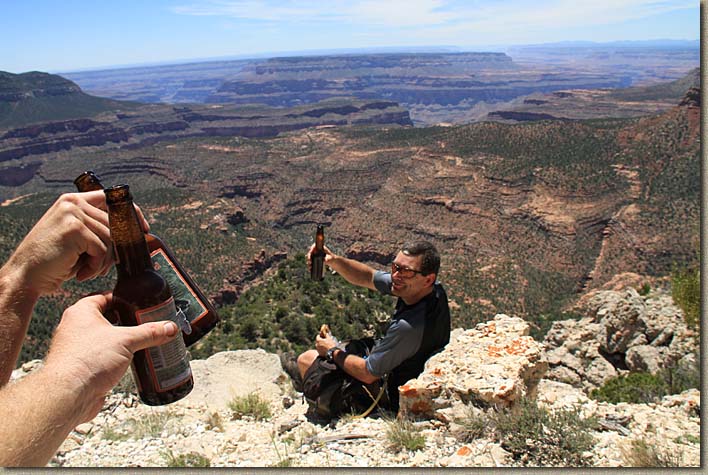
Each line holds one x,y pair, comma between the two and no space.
289,364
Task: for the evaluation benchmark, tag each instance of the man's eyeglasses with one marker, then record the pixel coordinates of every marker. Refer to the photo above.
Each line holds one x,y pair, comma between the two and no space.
404,272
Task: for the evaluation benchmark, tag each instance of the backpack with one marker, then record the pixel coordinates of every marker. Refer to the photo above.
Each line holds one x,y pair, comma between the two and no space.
330,392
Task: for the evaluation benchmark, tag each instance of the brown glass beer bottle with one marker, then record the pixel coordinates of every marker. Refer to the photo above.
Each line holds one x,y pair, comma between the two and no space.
199,315
162,373
318,255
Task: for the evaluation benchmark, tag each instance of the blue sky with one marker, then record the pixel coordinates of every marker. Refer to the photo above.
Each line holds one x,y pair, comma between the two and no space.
54,36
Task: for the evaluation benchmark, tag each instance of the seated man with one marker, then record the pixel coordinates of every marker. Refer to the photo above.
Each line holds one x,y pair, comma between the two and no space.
419,326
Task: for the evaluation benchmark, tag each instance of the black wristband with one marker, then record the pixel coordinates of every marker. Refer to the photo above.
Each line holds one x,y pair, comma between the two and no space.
340,357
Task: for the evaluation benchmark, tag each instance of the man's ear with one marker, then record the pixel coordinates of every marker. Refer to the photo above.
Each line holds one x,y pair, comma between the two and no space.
430,279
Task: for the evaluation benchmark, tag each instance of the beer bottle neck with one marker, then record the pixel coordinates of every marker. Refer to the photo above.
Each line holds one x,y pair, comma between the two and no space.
88,181
319,239
128,239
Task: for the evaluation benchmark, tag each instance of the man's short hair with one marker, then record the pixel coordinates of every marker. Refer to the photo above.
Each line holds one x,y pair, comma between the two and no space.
430,263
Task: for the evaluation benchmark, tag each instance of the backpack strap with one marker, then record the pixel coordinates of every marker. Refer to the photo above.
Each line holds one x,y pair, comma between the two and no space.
376,399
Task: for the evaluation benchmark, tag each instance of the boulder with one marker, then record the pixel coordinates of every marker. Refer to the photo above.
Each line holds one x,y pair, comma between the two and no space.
221,377
621,331
494,364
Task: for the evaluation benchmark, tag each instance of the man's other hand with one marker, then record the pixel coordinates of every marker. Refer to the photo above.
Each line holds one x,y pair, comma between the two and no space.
92,355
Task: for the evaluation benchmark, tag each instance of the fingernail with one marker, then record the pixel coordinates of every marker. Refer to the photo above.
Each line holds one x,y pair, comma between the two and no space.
170,328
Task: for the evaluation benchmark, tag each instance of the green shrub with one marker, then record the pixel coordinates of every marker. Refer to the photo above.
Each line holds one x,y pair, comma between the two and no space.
251,405
638,388
537,437
284,459
114,434
686,292
688,439
214,422
403,435
683,376
191,459
641,453
150,425
472,426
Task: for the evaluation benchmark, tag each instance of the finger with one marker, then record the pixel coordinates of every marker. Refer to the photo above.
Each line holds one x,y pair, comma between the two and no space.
97,199
100,302
148,334
141,217
101,256
96,252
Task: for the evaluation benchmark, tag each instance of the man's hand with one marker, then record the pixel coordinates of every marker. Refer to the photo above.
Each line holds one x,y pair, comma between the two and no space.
72,239
323,344
329,255
93,355
86,359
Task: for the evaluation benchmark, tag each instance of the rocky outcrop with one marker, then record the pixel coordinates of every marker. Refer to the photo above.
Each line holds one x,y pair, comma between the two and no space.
692,98
149,124
621,331
17,176
249,272
493,365
367,253
58,136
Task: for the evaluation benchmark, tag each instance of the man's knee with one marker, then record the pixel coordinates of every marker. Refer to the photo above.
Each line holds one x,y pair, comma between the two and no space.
305,360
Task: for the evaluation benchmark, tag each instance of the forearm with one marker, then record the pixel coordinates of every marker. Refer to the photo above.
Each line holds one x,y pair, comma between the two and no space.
17,299
354,272
38,413
354,366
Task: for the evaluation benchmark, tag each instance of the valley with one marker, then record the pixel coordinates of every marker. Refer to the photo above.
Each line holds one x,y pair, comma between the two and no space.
547,197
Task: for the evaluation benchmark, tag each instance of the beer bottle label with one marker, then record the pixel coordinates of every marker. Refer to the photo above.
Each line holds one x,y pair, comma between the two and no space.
186,301
169,366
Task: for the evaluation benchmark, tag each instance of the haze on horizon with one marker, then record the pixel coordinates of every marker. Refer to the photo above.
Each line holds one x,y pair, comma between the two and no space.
45,35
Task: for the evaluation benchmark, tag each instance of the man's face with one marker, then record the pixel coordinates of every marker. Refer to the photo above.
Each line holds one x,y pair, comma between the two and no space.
408,282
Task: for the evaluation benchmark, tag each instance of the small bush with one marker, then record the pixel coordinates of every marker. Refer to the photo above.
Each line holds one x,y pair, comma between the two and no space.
640,453
214,422
683,376
537,437
252,405
686,292
403,435
687,439
191,459
644,289
637,388
472,426
284,459
111,433
150,425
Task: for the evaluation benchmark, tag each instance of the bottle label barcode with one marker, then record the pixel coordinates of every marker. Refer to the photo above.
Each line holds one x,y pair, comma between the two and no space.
168,363
186,300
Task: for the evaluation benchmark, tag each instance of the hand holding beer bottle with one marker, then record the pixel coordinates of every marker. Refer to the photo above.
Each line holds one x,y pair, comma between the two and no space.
197,315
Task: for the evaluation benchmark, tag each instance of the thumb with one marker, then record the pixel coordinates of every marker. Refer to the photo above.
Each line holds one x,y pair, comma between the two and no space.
148,334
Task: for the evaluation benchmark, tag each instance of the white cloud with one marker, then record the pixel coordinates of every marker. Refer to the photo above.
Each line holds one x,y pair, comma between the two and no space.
449,15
